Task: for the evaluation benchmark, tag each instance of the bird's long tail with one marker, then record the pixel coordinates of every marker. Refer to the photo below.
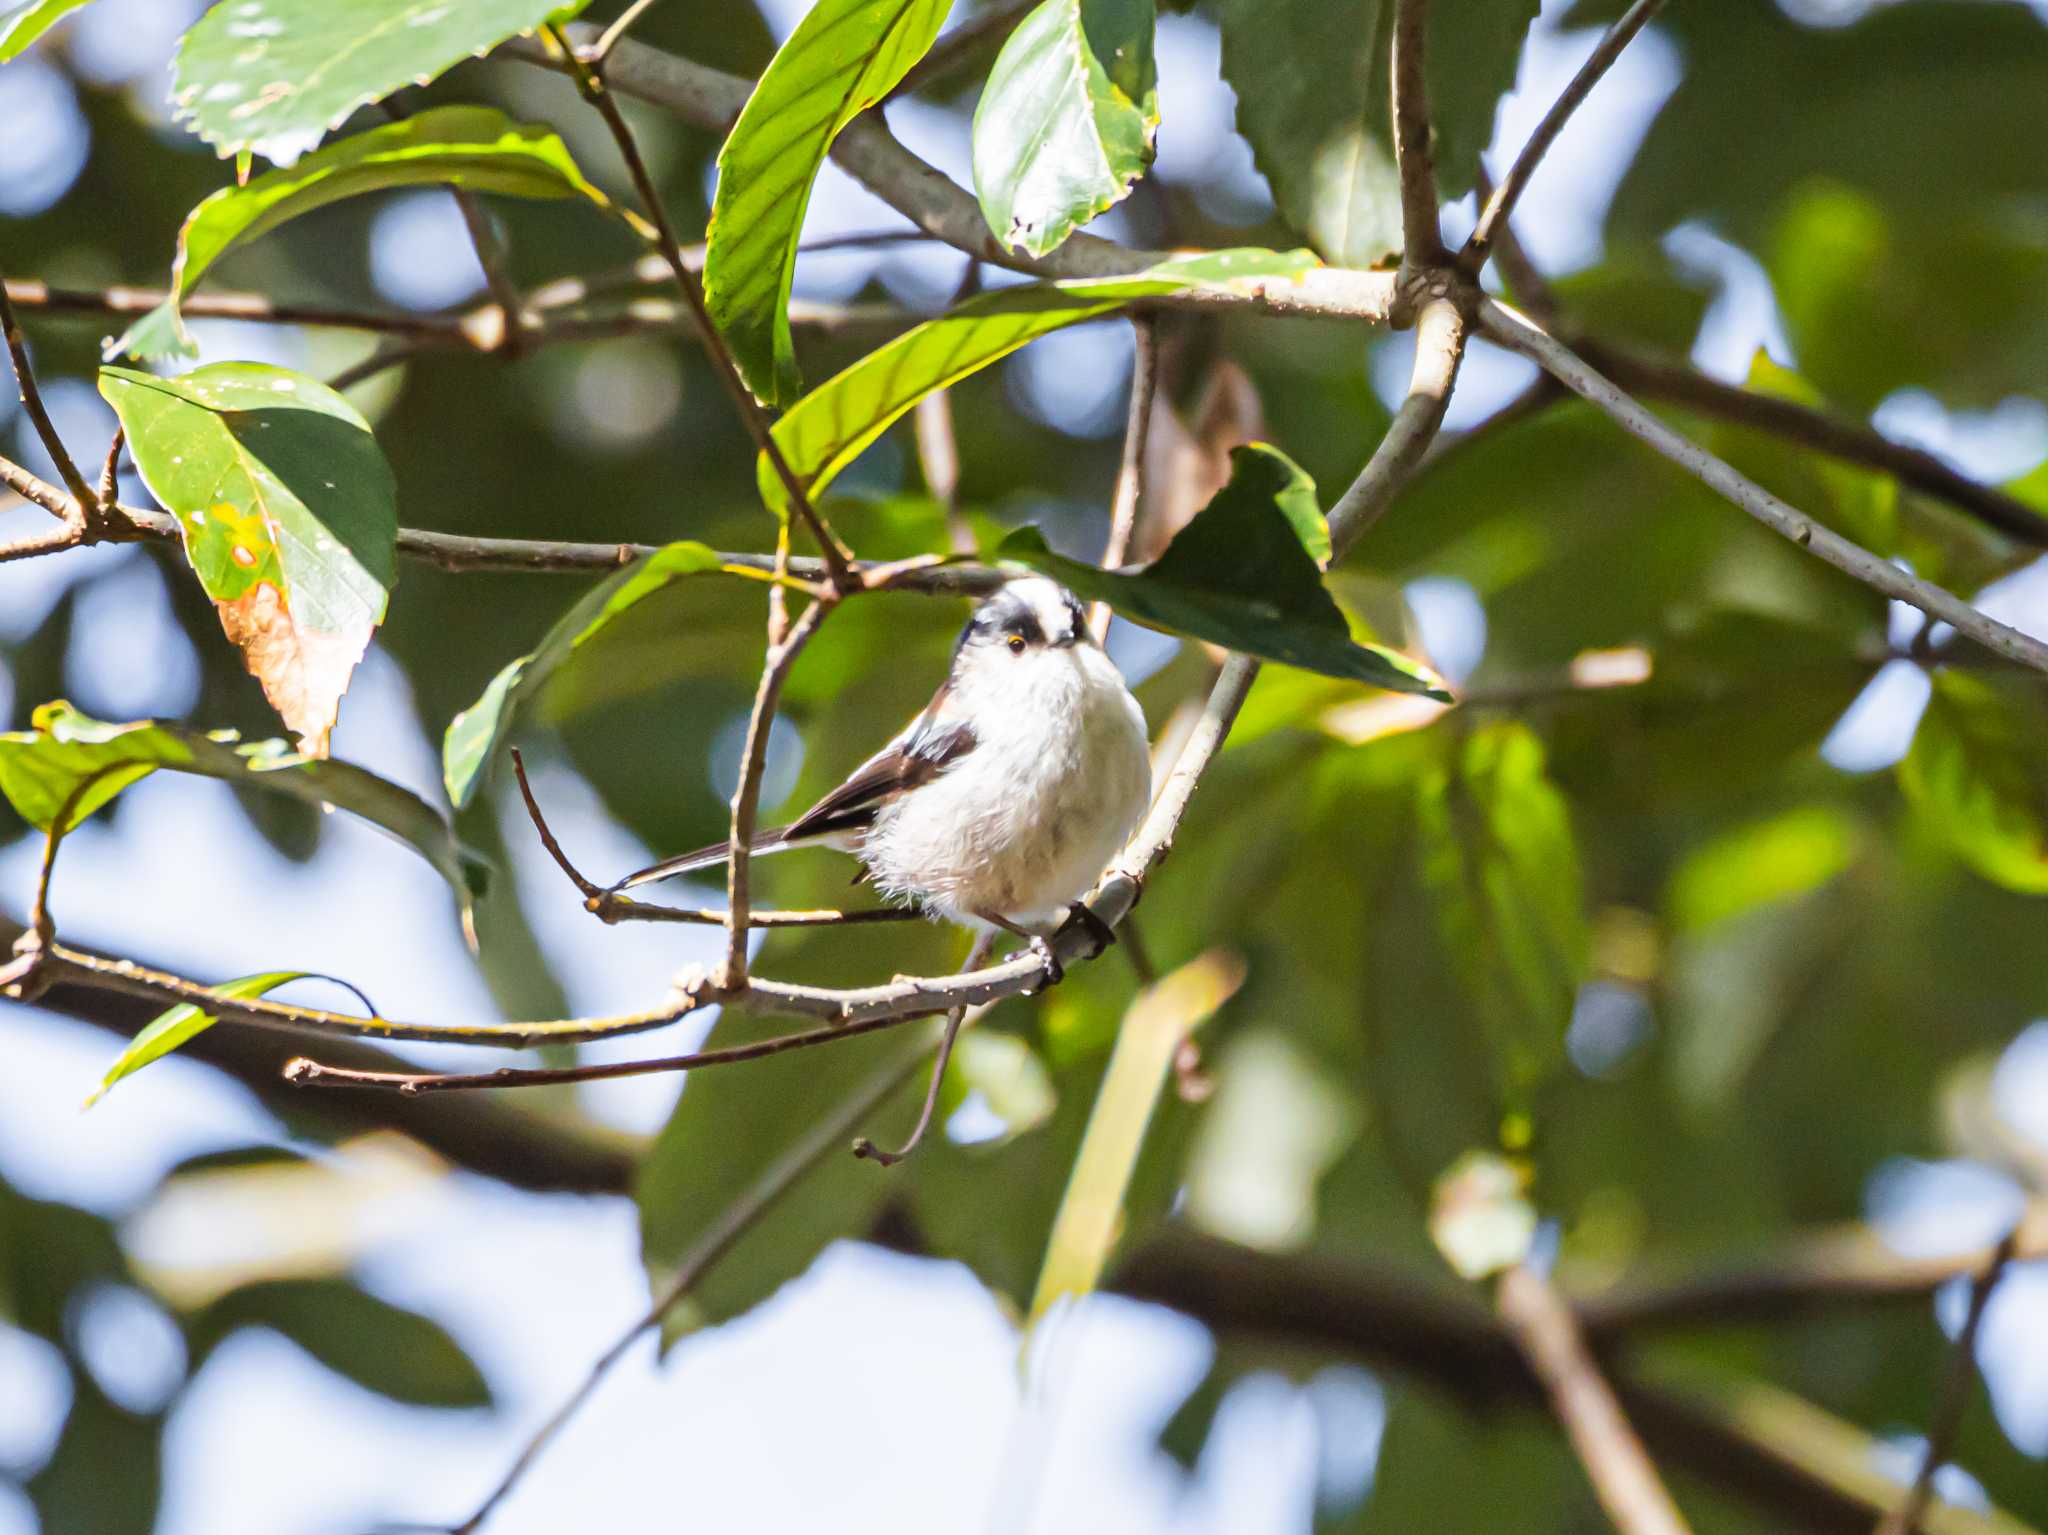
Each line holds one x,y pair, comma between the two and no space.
776,840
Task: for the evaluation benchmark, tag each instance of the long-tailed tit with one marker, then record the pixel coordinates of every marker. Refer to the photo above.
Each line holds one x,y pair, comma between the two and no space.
1003,801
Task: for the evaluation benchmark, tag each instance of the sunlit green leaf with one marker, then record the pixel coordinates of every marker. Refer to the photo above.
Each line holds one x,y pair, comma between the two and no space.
1973,776
289,515
1761,863
1242,574
1312,84
477,148
381,1347
843,57
1066,121
1502,865
274,75
174,1026
830,426
41,768
22,22
475,734
1089,1219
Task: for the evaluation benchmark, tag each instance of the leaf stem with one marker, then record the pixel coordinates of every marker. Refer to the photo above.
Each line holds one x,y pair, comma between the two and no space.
83,500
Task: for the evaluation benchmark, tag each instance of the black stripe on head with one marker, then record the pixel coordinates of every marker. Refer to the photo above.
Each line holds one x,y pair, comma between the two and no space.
1003,614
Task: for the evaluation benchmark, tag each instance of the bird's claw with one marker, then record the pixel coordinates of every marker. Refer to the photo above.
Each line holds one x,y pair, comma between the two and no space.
1048,956
1083,915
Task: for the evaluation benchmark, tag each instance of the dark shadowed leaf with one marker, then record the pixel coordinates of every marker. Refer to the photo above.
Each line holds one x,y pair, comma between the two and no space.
843,57
830,426
1973,776
1502,867
476,148
274,75
1066,121
1311,78
172,1027
41,767
289,515
1243,574
475,734
381,1347
26,20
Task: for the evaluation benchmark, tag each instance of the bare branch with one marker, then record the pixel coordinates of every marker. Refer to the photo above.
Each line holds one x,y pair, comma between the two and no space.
959,1016
39,417
609,38
1946,1420
1130,473
1836,436
1519,334
1529,287
1548,1334
596,91
1422,242
1439,349
746,799
120,299
775,1180
1494,216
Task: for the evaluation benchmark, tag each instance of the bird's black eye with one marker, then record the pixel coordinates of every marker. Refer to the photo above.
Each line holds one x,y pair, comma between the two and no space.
1016,644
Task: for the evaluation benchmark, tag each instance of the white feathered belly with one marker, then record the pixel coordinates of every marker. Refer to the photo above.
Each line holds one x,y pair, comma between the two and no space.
1023,824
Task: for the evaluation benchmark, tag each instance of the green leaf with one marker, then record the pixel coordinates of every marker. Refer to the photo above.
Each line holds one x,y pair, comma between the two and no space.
381,1347
1760,864
173,1027
830,426
1502,867
1973,778
1090,1215
843,57
1066,121
1312,86
274,75
1243,574
475,734
26,20
289,515
476,148
41,767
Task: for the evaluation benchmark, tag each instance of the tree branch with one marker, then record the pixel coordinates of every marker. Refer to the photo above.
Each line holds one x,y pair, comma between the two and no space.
83,502
1130,472
1494,216
1422,237
1947,1418
1521,335
593,87
1548,1334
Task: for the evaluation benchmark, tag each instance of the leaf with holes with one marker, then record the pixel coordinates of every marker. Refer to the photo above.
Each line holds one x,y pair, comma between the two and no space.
289,515
272,76
843,57
476,148
1066,122
832,425
1973,778
1244,574
42,767
26,20
475,734
1312,83
172,1027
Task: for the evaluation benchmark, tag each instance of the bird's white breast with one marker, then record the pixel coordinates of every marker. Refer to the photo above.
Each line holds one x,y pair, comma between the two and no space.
1025,822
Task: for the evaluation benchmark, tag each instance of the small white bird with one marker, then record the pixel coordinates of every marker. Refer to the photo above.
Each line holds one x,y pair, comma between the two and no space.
1006,798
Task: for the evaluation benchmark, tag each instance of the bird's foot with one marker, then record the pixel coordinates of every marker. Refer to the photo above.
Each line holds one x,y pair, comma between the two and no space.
1048,956
1083,915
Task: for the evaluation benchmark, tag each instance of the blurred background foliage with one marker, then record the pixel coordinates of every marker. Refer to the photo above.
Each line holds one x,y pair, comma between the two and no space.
1735,935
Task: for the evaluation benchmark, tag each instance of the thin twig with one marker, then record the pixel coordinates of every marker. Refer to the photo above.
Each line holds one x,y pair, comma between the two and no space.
609,37
1130,472
1946,1420
1519,334
863,1147
1493,217
938,455
1422,237
739,1217
379,361
39,417
495,261
594,89
1617,1464
1439,350
746,799
110,471
1529,287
